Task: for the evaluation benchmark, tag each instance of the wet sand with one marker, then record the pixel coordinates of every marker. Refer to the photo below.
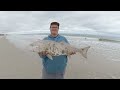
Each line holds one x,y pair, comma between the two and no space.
16,63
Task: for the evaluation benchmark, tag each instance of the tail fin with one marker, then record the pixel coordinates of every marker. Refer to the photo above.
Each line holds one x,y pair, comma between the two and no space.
83,51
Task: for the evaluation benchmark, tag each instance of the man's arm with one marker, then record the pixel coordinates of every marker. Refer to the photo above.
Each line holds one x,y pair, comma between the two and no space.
42,54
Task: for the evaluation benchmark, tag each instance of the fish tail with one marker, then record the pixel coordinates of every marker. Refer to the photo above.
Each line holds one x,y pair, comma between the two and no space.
83,51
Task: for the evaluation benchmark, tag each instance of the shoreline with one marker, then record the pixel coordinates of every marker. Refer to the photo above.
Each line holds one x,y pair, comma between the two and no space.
103,62
86,37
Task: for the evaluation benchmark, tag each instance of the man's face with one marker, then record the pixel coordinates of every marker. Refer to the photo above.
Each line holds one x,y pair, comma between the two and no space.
54,29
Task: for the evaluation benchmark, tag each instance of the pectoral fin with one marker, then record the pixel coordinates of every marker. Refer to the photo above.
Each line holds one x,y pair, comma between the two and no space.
49,56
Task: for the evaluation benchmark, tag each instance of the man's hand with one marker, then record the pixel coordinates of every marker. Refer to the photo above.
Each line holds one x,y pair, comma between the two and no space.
72,53
43,53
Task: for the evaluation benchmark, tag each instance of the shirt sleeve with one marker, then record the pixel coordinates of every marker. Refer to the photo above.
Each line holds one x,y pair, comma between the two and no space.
66,40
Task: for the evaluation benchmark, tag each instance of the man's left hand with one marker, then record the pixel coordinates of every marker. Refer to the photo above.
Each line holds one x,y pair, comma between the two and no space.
72,53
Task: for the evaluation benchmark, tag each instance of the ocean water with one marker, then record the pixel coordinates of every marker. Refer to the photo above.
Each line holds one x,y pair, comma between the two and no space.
101,53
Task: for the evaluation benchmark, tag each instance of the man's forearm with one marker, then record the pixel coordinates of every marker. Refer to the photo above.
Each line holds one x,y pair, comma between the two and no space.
42,56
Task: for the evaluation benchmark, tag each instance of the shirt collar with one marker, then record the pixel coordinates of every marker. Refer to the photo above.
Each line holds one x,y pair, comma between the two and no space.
52,36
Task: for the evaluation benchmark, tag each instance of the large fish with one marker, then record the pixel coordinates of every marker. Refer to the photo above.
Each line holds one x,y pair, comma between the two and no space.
56,48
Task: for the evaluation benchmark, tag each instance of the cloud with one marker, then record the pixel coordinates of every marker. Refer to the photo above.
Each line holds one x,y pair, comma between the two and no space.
70,21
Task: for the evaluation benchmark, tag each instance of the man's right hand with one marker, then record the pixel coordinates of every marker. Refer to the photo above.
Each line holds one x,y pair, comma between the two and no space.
43,53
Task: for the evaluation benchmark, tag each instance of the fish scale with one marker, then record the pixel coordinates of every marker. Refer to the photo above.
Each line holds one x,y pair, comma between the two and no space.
57,48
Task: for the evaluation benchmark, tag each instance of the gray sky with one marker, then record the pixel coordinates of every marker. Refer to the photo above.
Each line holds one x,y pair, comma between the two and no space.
70,21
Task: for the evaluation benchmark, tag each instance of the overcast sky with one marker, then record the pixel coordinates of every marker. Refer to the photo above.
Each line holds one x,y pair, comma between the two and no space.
70,21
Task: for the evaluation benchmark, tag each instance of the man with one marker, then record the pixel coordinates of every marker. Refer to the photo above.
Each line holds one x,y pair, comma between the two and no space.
54,69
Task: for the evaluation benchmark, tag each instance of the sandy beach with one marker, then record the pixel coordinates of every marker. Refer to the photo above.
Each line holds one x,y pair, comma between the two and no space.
18,64
98,29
